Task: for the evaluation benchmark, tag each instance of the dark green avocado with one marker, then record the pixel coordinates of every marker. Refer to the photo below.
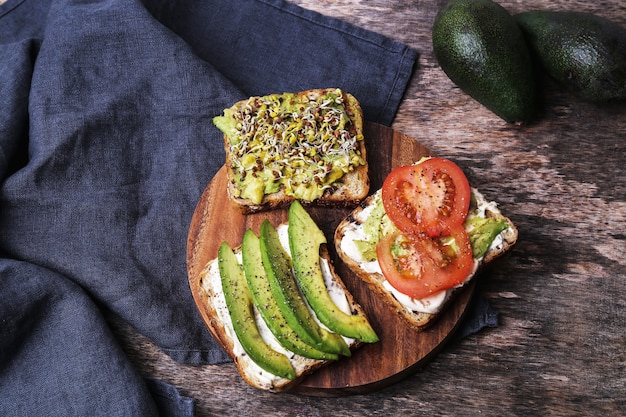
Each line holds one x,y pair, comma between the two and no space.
482,50
585,53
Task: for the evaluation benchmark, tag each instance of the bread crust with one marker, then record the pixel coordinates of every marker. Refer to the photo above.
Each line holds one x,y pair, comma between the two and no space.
348,191
417,320
222,331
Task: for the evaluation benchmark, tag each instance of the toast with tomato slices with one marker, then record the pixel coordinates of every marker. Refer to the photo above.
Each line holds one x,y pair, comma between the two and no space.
491,235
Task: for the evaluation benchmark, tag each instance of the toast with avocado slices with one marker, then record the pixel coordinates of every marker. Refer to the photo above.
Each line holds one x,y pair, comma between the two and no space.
278,317
307,146
417,267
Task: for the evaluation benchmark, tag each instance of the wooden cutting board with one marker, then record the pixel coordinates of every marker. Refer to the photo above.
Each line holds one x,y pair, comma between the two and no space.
401,351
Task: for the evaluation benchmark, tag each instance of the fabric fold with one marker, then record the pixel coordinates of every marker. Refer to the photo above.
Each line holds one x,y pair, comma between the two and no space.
106,145
272,46
57,356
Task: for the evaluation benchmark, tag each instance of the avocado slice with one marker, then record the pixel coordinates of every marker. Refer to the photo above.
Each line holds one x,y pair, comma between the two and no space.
266,303
284,288
482,231
240,306
305,239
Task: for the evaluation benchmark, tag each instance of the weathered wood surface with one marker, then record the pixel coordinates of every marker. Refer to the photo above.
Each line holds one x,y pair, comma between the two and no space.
561,294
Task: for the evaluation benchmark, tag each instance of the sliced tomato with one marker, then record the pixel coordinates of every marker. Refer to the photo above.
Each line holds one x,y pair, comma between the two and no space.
422,266
427,198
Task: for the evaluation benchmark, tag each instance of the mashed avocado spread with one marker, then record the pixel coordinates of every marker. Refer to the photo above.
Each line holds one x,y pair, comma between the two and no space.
481,230
289,142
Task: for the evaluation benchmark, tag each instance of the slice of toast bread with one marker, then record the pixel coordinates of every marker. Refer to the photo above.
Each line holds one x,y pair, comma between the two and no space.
294,126
222,329
419,320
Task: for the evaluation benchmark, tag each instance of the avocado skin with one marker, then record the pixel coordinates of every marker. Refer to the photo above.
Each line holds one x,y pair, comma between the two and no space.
583,52
482,50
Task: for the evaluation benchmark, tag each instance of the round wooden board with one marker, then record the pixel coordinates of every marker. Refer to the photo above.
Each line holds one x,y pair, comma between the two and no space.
401,351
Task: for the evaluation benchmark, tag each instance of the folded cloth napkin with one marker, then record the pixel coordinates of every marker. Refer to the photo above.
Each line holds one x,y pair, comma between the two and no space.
479,315
106,144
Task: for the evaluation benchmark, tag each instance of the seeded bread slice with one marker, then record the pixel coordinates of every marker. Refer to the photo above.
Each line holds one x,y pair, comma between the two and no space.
347,191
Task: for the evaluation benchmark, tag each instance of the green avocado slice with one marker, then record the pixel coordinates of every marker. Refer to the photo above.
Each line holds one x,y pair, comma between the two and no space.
240,306
284,288
266,303
482,231
305,239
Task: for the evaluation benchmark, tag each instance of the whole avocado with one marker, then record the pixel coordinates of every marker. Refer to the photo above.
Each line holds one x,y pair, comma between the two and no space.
582,51
482,50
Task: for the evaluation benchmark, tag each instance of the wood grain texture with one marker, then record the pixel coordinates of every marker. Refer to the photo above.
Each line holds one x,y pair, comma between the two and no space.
561,293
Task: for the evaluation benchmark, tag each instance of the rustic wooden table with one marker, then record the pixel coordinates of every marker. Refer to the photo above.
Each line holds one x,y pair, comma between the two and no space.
559,348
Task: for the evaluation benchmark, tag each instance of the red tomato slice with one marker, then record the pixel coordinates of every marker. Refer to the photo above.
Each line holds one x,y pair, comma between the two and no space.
420,267
427,198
